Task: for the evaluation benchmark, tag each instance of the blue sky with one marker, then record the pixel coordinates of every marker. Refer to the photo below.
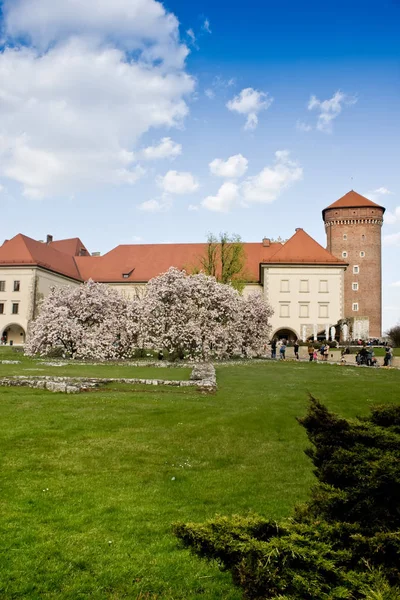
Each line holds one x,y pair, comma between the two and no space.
113,112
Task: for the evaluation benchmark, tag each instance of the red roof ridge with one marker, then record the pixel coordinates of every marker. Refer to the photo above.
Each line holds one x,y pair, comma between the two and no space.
301,248
352,200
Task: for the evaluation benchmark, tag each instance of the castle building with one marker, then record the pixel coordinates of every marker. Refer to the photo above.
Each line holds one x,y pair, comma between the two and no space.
309,287
353,230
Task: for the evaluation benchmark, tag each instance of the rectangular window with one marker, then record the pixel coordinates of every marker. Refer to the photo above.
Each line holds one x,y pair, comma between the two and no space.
323,311
17,286
284,310
304,311
355,306
354,286
345,236
304,285
356,269
2,286
1,308
285,285
344,254
323,286
15,308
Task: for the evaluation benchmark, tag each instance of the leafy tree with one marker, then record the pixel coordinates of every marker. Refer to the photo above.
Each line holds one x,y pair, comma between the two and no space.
394,335
225,259
344,543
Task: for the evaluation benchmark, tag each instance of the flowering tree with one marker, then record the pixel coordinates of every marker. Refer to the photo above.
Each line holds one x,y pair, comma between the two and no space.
255,328
86,321
194,315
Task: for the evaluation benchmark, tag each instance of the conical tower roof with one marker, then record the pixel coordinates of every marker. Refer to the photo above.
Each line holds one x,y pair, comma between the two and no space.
352,200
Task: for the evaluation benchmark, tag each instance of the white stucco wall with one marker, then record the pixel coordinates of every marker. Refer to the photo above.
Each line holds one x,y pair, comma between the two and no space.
25,297
251,288
22,298
304,296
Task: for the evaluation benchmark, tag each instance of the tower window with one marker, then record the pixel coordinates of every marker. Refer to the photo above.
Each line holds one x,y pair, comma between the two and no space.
355,306
356,269
354,286
362,253
344,254
345,236
363,237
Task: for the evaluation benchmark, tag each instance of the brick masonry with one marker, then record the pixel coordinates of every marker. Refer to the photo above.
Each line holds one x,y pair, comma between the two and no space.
356,231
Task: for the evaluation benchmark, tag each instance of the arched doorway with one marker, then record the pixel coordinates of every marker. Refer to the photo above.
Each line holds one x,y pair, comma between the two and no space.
288,334
13,335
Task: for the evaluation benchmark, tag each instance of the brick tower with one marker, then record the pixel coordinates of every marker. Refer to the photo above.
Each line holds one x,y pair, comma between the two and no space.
353,230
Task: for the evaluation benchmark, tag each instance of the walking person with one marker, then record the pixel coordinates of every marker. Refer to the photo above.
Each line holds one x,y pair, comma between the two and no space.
311,352
282,350
273,348
296,349
326,352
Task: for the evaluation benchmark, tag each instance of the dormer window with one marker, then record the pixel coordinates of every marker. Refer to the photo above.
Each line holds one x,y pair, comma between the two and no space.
127,274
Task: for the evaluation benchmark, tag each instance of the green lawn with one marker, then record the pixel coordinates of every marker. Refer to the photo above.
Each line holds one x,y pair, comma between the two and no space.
91,483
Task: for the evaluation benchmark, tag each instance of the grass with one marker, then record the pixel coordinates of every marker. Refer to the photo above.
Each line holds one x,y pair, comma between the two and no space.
91,483
29,366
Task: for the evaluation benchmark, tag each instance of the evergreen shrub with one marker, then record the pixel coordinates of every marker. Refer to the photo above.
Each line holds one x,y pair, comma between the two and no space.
345,542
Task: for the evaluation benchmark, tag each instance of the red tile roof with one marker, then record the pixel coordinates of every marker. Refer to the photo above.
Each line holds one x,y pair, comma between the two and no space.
23,251
71,246
142,262
303,249
352,200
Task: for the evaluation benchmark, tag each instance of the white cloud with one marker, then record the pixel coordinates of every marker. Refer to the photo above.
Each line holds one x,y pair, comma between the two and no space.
301,126
272,180
2,188
226,197
210,93
75,106
206,26
391,218
156,205
174,182
193,207
395,284
191,36
249,103
166,148
329,109
376,194
392,239
140,25
235,166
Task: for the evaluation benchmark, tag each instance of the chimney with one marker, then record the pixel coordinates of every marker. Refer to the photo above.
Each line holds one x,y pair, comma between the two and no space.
95,253
266,242
49,239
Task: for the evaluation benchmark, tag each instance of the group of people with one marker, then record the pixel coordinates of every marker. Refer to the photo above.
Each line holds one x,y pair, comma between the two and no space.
282,345
323,351
365,356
